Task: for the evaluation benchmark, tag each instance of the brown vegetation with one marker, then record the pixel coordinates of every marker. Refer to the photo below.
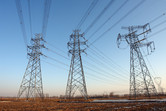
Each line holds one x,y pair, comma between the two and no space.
59,104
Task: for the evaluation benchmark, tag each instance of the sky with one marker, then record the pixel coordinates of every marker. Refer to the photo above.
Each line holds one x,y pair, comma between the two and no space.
110,74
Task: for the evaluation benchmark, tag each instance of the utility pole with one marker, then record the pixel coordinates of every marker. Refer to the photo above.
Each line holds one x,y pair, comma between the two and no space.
141,82
76,78
31,84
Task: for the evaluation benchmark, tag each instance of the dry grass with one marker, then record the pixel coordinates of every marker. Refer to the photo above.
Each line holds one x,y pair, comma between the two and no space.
55,104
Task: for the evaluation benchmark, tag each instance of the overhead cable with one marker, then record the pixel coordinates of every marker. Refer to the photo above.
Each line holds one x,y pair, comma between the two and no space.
115,12
87,13
20,15
99,16
122,18
47,6
30,21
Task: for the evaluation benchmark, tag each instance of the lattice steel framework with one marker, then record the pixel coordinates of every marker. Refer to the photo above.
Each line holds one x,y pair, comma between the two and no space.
31,84
76,78
141,82
158,83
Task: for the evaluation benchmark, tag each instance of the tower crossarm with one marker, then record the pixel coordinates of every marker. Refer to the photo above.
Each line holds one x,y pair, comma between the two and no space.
132,28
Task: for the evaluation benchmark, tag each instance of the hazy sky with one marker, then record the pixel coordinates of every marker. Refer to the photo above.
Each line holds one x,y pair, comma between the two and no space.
64,17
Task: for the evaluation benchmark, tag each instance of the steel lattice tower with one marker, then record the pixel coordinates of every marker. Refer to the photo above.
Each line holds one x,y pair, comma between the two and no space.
31,84
141,82
158,83
76,78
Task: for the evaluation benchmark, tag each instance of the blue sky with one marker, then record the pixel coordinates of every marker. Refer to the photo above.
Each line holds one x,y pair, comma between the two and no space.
63,19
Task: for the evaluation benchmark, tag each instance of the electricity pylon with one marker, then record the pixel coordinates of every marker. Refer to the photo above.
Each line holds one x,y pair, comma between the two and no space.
158,82
141,82
31,84
76,78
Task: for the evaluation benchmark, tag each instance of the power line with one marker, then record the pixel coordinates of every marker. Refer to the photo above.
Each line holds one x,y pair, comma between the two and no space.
105,66
55,47
99,16
68,59
58,54
104,63
108,76
56,60
87,74
87,13
130,11
97,78
20,15
94,77
157,18
107,73
63,56
84,66
104,75
108,19
157,32
47,5
163,29
55,65
106,58
29,10
161,23
85,61
112,69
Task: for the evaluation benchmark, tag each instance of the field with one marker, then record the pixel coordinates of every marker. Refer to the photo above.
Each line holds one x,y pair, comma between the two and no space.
55,104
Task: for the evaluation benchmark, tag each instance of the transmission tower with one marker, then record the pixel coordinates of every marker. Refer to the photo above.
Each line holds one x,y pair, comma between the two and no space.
158,82
31,84
76,78
141,82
